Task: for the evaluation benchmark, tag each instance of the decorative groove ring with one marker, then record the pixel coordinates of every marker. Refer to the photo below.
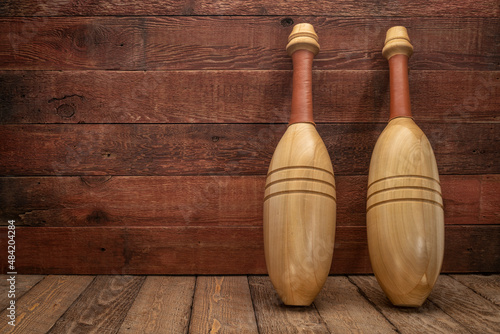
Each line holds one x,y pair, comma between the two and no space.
404,176
299,167
405,200
285,192
300,179
403,187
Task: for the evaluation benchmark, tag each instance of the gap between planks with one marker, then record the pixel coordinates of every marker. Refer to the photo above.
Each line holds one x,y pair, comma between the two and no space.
243,304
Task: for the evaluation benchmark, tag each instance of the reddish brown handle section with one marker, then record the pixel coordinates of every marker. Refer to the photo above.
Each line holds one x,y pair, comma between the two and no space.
399,86
302,108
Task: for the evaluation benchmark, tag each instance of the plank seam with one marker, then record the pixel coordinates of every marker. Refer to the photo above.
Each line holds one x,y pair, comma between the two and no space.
74,301
365,296
321,318
144,277
191,307
451,317
475,292
253,305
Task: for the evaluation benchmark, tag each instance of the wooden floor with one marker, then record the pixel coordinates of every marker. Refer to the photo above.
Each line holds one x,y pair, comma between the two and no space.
241,304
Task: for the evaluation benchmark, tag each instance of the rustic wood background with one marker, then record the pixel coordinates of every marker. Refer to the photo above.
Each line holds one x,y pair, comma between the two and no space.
135,136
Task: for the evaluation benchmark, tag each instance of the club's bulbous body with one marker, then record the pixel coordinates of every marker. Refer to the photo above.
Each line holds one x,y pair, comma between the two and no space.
405,219
299,215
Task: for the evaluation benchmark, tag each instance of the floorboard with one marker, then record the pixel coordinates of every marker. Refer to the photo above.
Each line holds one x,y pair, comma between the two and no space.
345,310
242,304
222,304
274,317
45,303
102,307
487,286
23,284
426,319
163,305
465,306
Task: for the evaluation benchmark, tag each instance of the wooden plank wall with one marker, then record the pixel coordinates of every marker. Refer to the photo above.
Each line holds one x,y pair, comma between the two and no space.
135,135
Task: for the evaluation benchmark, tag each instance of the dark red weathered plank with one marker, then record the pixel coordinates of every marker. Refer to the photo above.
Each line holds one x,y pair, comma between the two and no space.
229,43
133,201
240,7
466,8
204,200
212,250
227,149
490,192
238,96
72,43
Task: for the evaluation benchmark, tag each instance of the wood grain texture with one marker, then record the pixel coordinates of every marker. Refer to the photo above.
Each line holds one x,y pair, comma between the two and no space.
487,286
192,250
262,7
45,303
404,209
222,304
222,149
472,251
465,306
163,305
489,208
345,310
139,250
426,319
133,201
102,307
72,43
238,96
274,317
229,43
23,284
300,209
203,200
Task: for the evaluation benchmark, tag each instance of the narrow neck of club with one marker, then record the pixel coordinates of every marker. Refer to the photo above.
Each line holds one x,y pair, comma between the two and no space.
399,87
302,108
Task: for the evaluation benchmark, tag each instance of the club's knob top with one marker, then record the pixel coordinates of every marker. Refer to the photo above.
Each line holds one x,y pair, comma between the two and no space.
303,37
397,42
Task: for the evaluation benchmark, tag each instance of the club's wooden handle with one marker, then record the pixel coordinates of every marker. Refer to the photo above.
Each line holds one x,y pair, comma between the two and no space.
302,46
397,50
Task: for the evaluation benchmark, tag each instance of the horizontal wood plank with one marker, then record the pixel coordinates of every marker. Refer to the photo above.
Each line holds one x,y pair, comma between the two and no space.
102,307
222,304
490,191
428,318
229,43
468,308
239,96
204,250
220,149
201,200
478,243
466,8
163,305
39,309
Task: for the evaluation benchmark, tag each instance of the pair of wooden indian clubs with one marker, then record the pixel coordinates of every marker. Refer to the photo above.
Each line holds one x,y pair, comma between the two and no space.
404,210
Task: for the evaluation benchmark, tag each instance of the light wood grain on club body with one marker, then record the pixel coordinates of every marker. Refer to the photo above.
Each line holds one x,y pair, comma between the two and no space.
405,217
